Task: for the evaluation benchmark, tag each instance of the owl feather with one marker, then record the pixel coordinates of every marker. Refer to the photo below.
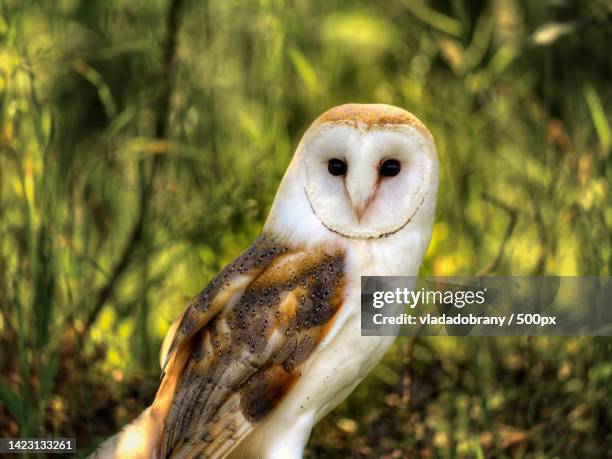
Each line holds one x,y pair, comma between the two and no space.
241,343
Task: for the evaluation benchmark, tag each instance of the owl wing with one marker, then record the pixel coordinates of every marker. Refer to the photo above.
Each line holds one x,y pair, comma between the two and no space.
240,343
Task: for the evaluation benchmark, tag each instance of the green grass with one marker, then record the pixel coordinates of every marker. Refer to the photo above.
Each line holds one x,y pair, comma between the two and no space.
141,144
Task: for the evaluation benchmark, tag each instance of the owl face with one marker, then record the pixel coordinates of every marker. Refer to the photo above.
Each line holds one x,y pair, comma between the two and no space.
366,169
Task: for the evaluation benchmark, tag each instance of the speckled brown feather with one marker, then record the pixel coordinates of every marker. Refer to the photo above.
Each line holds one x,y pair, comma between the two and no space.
241,354
230,281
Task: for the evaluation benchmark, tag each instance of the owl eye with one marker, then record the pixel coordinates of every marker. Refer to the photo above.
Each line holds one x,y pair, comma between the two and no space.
336,167
390,168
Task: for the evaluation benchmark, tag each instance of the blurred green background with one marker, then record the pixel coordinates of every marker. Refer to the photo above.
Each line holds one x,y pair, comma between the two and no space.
142,142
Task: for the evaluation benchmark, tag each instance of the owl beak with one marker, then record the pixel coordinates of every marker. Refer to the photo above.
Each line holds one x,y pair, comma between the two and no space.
360,211
360,192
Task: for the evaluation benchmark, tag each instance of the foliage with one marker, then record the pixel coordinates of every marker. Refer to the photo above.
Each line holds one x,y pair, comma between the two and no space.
141,144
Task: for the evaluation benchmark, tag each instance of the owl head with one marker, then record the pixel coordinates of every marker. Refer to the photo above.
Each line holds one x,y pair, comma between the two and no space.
361,171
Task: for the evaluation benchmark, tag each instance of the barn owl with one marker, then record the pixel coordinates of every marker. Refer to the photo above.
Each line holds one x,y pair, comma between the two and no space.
273,343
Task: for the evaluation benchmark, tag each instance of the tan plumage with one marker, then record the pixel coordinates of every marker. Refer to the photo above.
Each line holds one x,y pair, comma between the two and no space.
240,344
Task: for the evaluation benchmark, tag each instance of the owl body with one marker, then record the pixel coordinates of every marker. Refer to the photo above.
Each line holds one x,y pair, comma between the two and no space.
344,357
341,361
274,342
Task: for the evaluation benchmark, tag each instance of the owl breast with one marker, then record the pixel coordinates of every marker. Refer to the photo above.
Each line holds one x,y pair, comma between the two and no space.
333,370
